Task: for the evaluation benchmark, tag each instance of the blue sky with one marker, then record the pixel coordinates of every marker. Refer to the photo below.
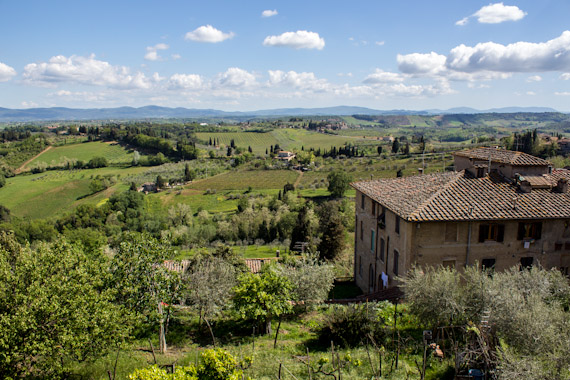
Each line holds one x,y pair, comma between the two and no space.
249,55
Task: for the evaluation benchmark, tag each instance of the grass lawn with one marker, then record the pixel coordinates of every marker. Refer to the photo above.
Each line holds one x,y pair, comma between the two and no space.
113,152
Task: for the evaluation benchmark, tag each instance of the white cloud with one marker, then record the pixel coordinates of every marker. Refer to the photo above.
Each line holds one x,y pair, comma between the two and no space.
344,74
185,81
304,80
381,76
498,12
495,14
85,70
29,104
269,13
463,21
6,72
152,52
379,43
300,39
78,95
565,93
417,63
531,93
207,33
534,78
236,77
553,55
175,56
565,76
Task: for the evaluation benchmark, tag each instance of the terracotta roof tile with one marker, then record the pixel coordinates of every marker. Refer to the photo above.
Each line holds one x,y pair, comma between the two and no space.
503,156
460,196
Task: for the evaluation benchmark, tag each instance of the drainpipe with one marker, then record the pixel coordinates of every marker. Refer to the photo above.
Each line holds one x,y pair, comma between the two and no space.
468,238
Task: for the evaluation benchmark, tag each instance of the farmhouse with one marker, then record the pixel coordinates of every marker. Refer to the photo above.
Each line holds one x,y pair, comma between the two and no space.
285,155
499,209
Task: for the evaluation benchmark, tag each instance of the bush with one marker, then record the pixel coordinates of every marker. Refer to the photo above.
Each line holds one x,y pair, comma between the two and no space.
97,162
348,326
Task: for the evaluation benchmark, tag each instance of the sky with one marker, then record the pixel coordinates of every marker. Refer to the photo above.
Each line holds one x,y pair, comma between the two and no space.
252,55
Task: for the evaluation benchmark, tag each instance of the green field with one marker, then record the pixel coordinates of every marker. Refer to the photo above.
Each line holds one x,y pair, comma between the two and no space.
54,193
258,141
287,138
113,152
242,179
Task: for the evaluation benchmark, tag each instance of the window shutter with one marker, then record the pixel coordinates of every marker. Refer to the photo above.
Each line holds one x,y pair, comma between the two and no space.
520,234
501,233
483,232
538,234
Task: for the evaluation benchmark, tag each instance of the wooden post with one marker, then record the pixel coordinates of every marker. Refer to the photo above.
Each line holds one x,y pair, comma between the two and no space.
308,363
253,341
395,330
152,350
277,333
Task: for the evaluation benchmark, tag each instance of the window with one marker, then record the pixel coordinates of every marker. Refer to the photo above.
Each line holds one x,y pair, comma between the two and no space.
361,230
450,232
529,230
526,262
360,266
488,264
565,271
362,197
567,245
372,240
382,243
373,208
382,219
558,246
397,224
449,264
371,279
488,232
396,258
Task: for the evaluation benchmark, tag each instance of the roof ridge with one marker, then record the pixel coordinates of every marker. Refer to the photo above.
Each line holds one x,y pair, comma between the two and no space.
434,195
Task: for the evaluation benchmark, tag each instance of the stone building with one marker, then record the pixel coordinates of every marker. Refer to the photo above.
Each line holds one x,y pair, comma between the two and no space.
516,213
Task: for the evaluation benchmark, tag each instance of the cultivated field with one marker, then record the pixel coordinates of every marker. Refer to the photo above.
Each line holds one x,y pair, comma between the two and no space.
258,141
242,179
54,193
113,152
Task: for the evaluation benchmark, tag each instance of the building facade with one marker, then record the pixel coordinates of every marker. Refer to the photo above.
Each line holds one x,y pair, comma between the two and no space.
515,214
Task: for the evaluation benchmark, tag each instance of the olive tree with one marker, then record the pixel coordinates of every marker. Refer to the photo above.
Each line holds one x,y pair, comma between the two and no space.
142,283
54,309
210,282
263,296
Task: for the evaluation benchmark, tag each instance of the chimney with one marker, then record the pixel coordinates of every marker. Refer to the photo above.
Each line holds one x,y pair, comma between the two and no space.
562,185
525,186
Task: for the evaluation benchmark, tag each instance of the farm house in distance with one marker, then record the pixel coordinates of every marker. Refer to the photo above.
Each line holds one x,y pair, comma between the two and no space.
499,209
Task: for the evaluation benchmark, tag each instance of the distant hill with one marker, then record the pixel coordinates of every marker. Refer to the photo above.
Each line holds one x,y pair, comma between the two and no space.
156,112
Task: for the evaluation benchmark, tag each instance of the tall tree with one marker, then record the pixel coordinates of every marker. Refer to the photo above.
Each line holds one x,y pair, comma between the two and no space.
332,231
395,145
339,182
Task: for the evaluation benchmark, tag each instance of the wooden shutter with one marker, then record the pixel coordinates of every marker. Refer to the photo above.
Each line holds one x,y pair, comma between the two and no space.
483,232
501,233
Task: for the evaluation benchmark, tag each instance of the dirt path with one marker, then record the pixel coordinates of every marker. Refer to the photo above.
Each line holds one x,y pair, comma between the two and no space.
298,178
21,168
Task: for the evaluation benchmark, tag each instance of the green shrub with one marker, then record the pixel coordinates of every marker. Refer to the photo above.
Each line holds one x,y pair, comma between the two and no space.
348,326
